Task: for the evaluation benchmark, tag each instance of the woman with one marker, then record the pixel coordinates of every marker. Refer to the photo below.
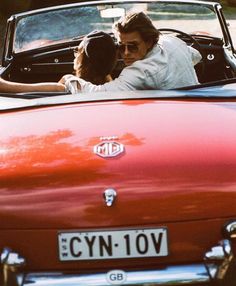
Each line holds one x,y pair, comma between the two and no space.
94,60
95,57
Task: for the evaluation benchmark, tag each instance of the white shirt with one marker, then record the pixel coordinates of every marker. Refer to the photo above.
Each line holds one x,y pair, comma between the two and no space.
169,65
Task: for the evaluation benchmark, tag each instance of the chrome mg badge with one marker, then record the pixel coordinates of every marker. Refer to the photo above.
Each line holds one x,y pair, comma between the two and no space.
109,149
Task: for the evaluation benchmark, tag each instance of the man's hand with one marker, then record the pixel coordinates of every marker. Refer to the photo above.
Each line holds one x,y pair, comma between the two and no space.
65,78
71,83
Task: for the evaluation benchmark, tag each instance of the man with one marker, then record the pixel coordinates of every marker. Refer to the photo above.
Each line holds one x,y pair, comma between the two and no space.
153,61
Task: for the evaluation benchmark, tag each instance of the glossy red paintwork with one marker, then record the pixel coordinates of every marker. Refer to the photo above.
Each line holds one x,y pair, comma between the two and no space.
178,171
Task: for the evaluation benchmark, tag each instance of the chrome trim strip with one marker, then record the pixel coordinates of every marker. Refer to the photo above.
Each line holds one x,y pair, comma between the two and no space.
177,275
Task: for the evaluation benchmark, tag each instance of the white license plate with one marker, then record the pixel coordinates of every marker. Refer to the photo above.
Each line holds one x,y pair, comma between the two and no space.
112,244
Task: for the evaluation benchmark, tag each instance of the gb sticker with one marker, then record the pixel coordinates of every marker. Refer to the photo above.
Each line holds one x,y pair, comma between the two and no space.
116,277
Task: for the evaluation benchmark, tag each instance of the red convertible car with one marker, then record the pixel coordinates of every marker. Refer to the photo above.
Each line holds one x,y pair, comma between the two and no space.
125,188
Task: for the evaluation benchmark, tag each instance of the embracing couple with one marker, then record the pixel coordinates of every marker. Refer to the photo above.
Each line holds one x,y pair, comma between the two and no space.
152,61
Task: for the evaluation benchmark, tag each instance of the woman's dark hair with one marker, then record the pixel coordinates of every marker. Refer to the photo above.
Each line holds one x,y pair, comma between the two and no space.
98,58
139,22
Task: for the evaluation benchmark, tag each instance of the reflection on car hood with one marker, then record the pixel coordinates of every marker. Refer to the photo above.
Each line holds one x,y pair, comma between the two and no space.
179,160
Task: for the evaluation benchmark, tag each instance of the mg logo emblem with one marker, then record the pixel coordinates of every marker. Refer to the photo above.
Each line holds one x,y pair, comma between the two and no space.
109,149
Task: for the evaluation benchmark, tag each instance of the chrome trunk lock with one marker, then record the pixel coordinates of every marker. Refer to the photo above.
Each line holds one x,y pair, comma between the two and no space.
109,196
11,263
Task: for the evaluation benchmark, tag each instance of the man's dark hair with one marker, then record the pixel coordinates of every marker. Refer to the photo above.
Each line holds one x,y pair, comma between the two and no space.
137,22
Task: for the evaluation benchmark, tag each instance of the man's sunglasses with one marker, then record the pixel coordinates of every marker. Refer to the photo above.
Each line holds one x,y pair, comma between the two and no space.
132,48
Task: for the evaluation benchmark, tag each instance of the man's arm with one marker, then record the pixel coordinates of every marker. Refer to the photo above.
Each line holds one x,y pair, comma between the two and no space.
131,78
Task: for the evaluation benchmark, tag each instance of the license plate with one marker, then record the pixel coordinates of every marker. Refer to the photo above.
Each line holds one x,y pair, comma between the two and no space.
112,244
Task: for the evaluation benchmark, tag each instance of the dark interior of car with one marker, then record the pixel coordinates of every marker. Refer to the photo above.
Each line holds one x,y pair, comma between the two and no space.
52,63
